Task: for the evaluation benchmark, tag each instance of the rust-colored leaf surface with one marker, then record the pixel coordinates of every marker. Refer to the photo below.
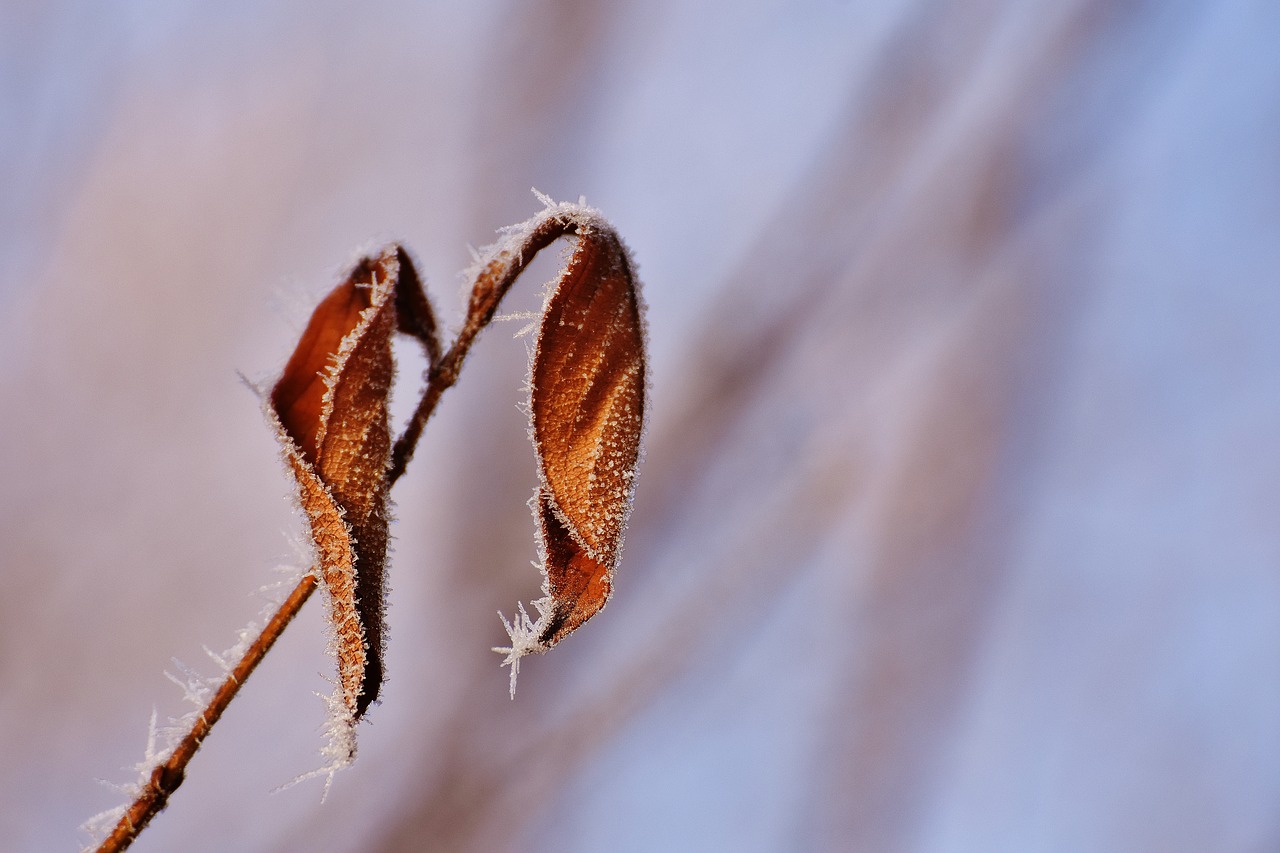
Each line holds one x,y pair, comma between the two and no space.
331,407
587,407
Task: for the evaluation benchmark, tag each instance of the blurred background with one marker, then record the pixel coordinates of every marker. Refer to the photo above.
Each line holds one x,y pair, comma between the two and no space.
958,525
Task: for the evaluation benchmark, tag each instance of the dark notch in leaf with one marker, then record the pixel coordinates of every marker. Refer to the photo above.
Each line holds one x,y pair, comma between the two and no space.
413,309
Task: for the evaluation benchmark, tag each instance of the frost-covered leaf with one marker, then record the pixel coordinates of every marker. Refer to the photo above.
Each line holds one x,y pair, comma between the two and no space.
587,407
331,411
586,403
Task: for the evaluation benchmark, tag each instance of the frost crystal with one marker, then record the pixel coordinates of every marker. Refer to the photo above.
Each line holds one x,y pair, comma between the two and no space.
524,633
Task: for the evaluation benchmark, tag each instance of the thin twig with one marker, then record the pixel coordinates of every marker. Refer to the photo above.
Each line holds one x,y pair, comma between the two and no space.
492,284
168,775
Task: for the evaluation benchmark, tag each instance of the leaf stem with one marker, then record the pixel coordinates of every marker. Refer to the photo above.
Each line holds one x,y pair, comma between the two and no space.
492,283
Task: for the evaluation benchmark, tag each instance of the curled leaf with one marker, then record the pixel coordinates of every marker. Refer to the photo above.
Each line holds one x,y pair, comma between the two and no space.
586,404
330,408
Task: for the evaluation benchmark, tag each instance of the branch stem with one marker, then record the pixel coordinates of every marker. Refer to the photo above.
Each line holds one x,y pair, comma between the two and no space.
492,284
168,775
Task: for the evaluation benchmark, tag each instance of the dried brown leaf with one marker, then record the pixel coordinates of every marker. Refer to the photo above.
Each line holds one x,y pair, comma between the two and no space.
587,390
331,408
587,407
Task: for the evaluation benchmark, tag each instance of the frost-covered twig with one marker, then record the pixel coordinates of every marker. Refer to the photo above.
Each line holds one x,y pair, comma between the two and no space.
496,270
168,774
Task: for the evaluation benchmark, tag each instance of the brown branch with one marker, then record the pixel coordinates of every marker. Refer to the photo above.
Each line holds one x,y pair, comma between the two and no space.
492,284
168,775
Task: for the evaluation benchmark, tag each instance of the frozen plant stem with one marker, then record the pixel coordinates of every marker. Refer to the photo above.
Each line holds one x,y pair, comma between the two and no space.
492,283
168,775
494,278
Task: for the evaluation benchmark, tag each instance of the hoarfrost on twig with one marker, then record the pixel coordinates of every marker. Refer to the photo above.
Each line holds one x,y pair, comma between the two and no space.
197,690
